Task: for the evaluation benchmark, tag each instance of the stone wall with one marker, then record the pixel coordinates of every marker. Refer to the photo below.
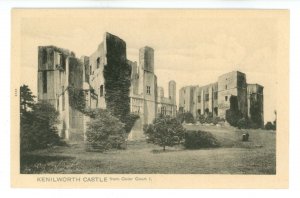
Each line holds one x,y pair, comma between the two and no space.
232,84
58,71
215,98
107,80
97,60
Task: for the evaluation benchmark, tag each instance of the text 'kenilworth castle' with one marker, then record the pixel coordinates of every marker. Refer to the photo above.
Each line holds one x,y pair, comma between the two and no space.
110,81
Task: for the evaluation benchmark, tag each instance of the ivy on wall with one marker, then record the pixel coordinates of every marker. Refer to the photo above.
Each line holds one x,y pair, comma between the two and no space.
117,78
77,98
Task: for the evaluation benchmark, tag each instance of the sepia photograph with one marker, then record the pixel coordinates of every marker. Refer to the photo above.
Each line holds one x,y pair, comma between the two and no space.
150,97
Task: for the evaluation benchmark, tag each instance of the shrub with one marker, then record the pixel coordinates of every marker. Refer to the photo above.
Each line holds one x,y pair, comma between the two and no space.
38,127
189,118
200,139
180,116
165,131
270,126
202,119
104,131
216,120
186,117
209,119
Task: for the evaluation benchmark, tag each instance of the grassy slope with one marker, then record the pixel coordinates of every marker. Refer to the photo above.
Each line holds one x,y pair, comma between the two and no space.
234,157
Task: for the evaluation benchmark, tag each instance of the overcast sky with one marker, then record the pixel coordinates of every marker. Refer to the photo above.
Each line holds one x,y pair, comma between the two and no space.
192,48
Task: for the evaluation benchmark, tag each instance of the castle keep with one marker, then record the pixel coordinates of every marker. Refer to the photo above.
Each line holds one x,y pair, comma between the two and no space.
108,80
230,92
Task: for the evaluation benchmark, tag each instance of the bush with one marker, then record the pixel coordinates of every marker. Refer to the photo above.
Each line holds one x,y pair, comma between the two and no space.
38,127
270,126
202,119
186,117
216,120
165,131
189,118
180,117
209,119
104,131
200,139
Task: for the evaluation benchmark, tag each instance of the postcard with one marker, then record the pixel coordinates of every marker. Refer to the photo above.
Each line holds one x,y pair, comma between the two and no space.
150,98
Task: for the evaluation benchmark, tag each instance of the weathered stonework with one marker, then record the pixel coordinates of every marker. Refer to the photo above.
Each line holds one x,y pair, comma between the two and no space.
58,70
215,98
147,99
107,80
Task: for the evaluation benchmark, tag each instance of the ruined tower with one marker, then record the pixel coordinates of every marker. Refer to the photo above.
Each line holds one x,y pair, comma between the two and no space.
110,72
149,81
232,93
59,74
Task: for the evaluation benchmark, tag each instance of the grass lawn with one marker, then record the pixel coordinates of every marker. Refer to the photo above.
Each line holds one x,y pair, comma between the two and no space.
257,156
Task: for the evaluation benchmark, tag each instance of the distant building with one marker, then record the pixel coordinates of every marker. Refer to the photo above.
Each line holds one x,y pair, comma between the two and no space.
231,91
60,72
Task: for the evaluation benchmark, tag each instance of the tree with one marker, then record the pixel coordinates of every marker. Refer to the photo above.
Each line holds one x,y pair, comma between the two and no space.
26,99
104,131
38,127
165,131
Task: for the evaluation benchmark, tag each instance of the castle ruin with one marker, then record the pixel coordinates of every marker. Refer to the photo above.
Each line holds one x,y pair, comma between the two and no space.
230,92
108,80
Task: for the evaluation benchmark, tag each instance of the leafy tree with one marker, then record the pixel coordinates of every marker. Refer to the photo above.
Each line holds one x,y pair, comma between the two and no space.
165,131
26,99
38,127
104,131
